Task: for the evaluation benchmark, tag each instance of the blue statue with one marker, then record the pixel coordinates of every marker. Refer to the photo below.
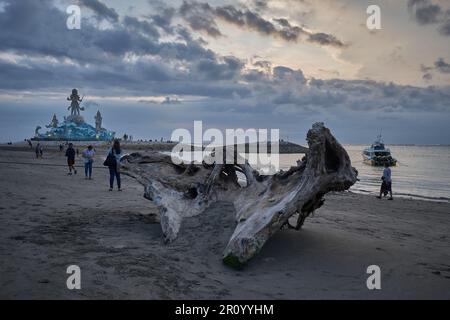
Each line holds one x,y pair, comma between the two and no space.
75,103
74,128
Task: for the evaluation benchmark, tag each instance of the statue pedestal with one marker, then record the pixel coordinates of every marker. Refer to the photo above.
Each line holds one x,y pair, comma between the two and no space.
75,119
74,128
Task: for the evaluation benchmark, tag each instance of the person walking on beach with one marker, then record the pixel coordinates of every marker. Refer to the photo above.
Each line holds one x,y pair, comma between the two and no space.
39,151
88,156
386,185
70,154
113,163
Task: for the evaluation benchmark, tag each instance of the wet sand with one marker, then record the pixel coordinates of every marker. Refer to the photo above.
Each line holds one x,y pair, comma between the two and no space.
49,220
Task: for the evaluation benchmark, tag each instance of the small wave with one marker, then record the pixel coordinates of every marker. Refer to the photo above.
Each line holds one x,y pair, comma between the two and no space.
360,190
403,195
416,196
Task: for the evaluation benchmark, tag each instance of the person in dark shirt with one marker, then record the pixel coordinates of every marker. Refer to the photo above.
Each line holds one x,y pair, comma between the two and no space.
70,154
38,150
114,170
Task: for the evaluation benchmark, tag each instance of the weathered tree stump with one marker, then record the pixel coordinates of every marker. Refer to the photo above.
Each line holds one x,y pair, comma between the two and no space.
263,206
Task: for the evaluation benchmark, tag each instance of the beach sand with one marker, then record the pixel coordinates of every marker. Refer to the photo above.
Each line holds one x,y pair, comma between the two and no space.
49,220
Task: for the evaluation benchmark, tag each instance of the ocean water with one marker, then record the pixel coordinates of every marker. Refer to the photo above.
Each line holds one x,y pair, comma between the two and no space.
422,172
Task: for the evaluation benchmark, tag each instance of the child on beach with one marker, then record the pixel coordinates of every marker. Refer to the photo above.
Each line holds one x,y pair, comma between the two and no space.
386,185
88,156
70,154
114,169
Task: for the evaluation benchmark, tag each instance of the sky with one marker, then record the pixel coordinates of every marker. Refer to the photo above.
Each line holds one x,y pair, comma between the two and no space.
152,66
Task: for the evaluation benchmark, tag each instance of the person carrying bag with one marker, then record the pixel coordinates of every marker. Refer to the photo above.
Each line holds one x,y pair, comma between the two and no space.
113,163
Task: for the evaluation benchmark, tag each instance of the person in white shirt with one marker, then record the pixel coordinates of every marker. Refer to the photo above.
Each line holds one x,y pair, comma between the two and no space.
88,156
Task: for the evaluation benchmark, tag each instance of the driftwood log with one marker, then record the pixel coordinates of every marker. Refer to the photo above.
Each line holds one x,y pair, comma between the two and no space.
263,206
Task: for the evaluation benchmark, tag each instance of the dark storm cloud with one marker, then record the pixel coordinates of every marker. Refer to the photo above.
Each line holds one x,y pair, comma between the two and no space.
284,73
101,10
160,67
163,19
427,12
283,22
231,14
16,77
211,70
22,31
439,65
254,75
201,17
427,76
325,39
142,78
260,4
442,66
256,22
264,64
288,31
294,32
372,96
284,29
141,26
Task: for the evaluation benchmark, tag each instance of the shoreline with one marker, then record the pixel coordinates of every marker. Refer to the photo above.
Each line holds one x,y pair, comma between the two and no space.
163,147
404,196
360,192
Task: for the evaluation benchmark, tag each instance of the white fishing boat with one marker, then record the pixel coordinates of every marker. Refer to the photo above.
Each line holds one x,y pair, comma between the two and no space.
378,155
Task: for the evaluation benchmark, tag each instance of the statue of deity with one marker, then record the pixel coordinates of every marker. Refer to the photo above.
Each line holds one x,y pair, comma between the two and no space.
98,121
75,103
54,123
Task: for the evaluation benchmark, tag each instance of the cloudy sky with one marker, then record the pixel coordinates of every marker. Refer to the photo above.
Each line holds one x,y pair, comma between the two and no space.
153,66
